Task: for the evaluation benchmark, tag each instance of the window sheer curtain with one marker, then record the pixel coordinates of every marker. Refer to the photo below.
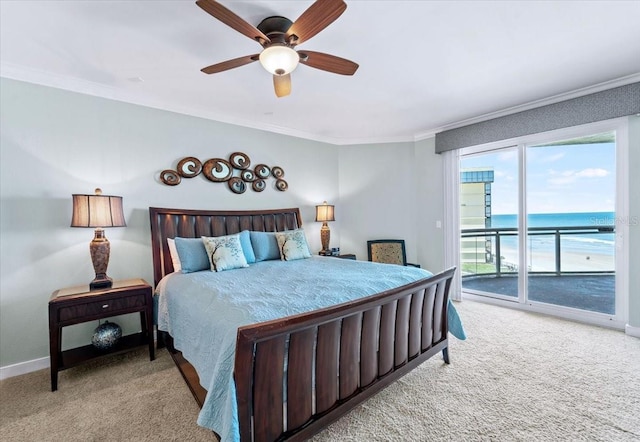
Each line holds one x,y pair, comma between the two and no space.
452,220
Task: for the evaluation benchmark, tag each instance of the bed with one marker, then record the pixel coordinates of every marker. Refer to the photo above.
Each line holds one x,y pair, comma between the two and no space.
289,374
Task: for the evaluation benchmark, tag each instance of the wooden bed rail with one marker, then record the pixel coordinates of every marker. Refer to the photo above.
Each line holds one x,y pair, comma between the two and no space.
328,361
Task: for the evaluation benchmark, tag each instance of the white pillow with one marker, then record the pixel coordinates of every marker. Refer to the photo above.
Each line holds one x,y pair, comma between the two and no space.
175,258
293,245
225,252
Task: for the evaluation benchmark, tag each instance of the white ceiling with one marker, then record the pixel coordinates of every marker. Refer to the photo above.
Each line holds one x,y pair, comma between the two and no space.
424,65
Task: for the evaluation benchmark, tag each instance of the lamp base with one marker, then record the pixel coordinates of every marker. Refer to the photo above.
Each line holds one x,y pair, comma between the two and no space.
325,235
100,282
100,249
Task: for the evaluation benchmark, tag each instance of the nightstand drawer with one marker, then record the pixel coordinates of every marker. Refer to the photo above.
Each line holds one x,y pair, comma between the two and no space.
100,307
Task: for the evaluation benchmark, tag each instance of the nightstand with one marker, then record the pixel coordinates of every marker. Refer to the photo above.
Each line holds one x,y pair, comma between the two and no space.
344,256
74,305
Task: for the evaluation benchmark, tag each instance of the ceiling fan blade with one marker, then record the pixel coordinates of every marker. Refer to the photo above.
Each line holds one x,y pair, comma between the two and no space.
328,62
230,19
230,64
317,17
282,85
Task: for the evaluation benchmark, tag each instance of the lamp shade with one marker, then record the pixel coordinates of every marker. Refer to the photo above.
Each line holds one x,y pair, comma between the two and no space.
324,213
279,60
97,211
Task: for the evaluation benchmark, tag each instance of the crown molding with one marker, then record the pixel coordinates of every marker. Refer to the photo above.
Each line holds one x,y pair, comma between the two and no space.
622,81
44,78
73,84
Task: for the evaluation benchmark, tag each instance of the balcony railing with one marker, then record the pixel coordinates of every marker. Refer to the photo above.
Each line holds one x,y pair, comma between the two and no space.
487,257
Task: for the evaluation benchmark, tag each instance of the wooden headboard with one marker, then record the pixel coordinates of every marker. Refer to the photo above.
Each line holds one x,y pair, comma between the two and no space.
169,223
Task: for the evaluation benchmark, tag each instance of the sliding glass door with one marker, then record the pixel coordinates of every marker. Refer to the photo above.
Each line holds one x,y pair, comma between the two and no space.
489,222
538,221
571,194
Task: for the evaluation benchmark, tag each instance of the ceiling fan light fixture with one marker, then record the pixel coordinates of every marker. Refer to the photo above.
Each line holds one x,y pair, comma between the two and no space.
279,59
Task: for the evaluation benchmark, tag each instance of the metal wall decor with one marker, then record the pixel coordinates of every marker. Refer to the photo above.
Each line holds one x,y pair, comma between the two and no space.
235,171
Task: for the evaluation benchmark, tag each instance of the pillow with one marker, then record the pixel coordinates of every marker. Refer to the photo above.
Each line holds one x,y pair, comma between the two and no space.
292,245
247,248
265,245
225,252
192,254
175,259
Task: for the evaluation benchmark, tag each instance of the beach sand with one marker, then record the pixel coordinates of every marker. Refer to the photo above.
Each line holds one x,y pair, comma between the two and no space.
570,262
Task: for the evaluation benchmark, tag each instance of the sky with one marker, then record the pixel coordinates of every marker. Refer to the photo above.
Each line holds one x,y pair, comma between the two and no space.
560,179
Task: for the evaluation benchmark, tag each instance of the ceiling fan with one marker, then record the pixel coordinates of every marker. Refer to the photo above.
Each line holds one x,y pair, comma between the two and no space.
278,37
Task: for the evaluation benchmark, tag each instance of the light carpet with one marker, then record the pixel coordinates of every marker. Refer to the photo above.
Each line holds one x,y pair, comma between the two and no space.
518,377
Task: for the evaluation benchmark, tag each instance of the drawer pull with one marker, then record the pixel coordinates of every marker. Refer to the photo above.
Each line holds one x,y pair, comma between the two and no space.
105,306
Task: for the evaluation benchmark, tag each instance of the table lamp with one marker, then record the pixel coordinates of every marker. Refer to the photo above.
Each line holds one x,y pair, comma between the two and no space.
98,211
324,213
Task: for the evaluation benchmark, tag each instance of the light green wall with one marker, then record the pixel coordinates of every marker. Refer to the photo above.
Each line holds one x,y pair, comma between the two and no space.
377,196
393,190
55,143
429,204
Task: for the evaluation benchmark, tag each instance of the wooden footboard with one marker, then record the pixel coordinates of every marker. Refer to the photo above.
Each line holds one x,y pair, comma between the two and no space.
296,375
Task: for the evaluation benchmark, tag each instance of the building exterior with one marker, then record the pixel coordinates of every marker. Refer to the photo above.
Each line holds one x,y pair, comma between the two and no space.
475,213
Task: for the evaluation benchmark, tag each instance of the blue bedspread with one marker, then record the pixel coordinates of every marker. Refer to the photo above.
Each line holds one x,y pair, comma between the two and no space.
203,310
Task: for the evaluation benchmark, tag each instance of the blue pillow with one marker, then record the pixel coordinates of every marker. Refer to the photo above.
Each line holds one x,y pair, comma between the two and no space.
193,255
247,248
265,245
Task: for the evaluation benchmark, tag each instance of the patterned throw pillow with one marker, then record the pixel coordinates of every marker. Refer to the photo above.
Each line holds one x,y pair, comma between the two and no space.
387,253
225,252
293,245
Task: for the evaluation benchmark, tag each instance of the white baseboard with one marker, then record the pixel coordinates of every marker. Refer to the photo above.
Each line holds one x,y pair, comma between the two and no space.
632,331
28,366
24,367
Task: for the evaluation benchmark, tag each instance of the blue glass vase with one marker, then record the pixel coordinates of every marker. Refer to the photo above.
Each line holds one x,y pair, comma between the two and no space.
106,335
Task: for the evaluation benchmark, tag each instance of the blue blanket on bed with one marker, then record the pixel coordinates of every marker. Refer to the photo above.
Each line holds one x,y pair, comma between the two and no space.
202,311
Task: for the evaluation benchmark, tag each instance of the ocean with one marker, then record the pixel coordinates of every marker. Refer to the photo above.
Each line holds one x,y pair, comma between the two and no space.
599,243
